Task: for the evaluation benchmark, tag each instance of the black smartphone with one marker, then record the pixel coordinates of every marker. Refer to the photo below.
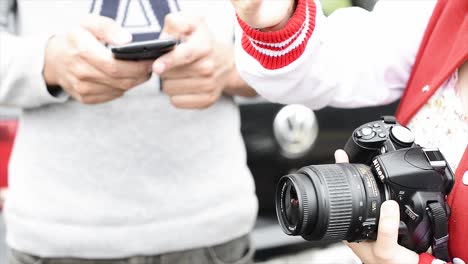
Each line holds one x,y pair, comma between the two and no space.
144,50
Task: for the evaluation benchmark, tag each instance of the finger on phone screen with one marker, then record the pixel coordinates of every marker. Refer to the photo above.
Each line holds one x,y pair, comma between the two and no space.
107,30
192,49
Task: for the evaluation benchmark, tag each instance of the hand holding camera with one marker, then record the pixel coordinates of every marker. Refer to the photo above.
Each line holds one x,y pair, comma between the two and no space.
342,201
79,63
385,250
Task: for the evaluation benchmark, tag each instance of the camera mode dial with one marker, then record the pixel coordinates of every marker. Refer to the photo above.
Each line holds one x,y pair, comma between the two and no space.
402,136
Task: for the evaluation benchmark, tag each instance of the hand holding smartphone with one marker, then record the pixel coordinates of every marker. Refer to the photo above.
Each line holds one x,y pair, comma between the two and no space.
145,50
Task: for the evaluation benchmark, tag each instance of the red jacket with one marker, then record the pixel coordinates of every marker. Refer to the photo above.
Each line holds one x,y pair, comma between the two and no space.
443,49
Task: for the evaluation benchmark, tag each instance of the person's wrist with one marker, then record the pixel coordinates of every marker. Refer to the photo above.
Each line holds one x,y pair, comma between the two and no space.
283,22
230,86
48,70
232,82
235,85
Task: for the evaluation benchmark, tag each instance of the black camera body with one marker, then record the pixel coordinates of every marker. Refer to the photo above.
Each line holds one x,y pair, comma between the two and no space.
342,201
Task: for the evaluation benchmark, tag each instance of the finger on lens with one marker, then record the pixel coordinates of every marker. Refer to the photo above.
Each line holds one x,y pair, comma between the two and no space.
341,156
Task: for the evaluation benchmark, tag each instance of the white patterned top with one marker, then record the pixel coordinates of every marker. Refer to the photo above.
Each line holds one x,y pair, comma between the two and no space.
443,122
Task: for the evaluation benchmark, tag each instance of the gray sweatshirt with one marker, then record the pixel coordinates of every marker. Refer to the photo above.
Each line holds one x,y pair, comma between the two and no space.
134,176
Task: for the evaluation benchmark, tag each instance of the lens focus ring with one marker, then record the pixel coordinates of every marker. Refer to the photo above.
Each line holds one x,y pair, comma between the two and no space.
340,214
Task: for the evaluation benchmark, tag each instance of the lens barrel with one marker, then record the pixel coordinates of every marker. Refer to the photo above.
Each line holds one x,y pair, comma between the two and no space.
329,202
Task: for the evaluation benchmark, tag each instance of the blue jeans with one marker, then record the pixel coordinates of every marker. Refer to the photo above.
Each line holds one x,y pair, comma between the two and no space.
237,251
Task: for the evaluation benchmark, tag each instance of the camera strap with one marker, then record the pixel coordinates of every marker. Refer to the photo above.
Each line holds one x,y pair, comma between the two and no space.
439,226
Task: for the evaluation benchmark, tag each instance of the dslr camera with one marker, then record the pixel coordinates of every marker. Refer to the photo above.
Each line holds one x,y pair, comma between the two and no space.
335,202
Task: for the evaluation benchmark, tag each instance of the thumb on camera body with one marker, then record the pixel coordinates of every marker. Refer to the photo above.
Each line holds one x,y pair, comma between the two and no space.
387,236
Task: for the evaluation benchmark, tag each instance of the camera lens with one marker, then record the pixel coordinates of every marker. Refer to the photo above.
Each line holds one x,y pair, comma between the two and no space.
293,205
292,208
329,202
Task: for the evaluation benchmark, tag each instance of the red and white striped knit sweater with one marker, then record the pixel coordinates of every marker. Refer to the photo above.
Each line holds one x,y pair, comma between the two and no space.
357,58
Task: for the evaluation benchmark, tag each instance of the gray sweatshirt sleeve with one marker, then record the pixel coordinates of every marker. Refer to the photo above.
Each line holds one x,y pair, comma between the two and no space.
21,66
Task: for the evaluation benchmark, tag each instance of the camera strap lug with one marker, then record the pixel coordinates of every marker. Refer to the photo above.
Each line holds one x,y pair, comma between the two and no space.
439,226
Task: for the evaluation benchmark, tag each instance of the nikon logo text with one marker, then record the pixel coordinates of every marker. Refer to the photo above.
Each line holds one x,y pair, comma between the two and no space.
378,169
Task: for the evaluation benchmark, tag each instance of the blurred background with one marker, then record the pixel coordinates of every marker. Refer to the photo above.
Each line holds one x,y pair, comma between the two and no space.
279,139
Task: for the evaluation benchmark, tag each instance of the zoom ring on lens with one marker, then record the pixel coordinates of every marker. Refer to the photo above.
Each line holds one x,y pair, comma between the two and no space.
340,214
305,206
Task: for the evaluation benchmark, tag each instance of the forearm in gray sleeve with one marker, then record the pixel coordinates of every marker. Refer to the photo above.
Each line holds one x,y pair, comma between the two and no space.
21,66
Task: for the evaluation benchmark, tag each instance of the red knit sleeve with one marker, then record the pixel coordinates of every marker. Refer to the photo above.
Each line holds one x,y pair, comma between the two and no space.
278,49
426,258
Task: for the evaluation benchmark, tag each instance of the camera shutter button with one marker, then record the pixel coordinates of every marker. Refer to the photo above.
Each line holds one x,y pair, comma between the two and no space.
402,136
366,131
